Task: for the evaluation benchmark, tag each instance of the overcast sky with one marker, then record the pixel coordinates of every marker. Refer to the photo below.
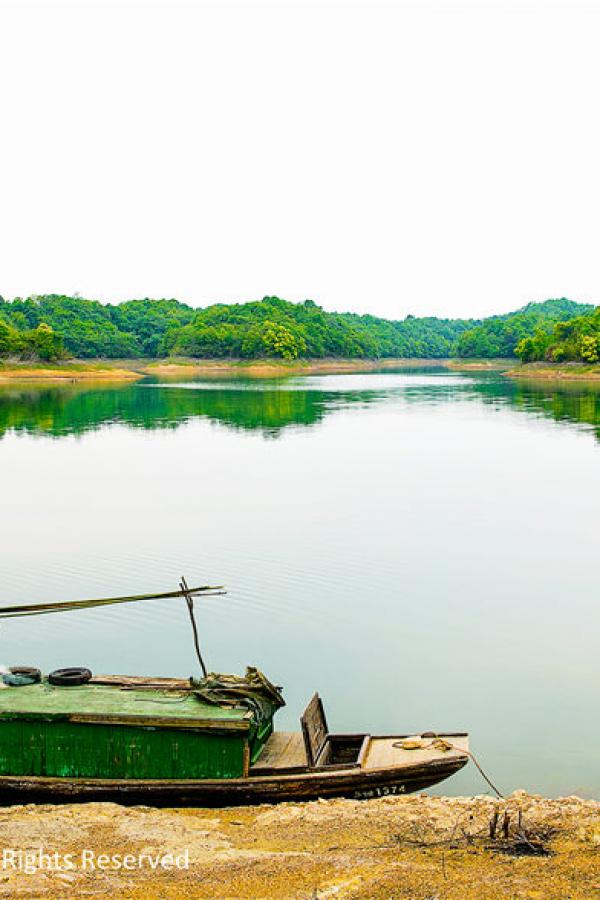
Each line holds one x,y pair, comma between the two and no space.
394,157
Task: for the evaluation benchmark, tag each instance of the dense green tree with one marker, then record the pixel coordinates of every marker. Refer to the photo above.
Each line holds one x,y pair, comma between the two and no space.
11,340
273,339
499,336
32,343
84,325
588,348
273,327
576,340
45,343
150,320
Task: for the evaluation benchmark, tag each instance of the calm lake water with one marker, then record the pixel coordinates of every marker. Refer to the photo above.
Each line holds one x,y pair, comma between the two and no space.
419,546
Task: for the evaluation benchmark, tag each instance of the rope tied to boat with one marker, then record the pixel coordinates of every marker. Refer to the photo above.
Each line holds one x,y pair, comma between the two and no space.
444,745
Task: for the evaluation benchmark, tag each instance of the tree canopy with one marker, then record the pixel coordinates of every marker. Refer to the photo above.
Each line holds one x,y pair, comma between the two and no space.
576,340
498,336
52,326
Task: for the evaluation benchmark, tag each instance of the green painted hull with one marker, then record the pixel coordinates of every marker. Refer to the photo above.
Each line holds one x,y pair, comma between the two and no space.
75,750
102,732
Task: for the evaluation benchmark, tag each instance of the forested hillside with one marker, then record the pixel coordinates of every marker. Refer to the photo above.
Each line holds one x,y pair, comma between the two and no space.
270,327
498,336
577,340
274,327
54,326
89,329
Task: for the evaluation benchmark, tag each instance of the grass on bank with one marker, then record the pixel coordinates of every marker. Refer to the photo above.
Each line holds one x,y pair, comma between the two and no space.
572,371
173,367
108,370
70,370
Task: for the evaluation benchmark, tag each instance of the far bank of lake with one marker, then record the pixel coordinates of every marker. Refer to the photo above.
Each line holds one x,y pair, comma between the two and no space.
180,368
124,370
563,371
68,372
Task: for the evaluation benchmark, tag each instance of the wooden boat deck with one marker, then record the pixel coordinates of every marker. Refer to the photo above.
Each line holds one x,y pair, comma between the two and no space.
386,752
283,750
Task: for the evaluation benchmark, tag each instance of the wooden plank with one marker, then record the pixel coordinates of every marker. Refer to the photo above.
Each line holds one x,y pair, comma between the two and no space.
314,729
221,725
283,750
142,681
384,753
364,750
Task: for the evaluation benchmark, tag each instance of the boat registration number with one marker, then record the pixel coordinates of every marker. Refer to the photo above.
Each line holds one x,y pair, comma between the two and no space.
384,791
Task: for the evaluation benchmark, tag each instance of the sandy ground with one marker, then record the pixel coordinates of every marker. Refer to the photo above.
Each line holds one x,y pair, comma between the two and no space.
281,368
66,374
546,372
113,371
479,365
413,847
131,369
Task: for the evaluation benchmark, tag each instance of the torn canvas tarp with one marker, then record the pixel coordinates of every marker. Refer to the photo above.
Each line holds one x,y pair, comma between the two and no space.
253,690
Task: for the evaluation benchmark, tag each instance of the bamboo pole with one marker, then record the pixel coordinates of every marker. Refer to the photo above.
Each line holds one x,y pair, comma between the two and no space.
39,609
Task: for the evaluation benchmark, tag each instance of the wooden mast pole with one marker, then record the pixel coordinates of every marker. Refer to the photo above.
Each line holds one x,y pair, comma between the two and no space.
190,605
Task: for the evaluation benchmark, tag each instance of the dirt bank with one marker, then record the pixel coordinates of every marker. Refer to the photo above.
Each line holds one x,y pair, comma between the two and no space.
129,370
132,369
556,372
414,847
273,368
66,373
479,365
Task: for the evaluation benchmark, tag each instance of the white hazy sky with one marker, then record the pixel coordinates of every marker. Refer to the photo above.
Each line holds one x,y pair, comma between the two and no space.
427,158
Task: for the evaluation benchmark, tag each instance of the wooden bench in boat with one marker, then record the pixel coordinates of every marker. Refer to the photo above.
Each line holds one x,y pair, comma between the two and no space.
312,748
283,750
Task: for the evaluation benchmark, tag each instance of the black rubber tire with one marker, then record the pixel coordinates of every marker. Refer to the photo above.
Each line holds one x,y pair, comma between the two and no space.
69,677
29,671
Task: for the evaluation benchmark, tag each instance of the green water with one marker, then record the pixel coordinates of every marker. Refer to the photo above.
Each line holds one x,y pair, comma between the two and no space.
420,546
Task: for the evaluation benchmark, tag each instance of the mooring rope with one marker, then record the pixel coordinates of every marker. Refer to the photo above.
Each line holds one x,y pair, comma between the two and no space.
438,740
498,793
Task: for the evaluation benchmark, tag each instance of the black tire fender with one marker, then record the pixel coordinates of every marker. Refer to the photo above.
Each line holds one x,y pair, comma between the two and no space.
69,677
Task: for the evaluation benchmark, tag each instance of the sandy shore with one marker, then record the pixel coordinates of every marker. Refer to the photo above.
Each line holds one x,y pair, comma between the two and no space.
280,368
132,369
556,372
413,847
479,365
67,373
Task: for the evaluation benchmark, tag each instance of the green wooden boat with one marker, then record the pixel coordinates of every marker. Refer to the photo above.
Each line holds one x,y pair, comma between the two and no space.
169,741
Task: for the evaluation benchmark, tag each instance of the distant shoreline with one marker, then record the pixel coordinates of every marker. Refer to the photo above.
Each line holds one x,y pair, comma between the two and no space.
544,371
66,372
124,370
479,365
129,370
273,368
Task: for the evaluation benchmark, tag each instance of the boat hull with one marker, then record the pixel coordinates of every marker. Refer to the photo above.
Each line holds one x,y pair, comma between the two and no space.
351,783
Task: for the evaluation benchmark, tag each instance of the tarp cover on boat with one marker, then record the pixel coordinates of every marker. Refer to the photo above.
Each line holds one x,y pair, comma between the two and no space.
253,690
